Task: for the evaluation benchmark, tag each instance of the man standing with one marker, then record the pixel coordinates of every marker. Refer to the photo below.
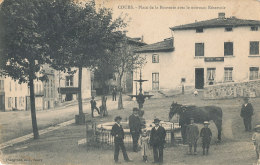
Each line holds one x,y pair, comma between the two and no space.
157,141
135,127
246,113
118,133
93,106
192,132
114,94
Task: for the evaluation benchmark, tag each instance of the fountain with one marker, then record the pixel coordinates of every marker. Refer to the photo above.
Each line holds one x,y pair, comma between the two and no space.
140,98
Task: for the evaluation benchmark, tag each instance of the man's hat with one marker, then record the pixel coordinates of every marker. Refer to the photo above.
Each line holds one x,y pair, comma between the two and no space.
135,109
156,120
206,122
118,118
191,118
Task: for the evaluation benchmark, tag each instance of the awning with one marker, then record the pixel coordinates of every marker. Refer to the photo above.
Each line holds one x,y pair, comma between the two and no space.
68,90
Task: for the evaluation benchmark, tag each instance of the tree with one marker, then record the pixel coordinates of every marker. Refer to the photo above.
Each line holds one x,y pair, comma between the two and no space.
91,34
23,44
125,60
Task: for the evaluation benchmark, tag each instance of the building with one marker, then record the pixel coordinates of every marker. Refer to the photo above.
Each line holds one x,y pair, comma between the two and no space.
215,51
16,96
68,84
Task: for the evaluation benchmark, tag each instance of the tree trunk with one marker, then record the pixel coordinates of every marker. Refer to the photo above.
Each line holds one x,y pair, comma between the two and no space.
33,112
120,99
79,92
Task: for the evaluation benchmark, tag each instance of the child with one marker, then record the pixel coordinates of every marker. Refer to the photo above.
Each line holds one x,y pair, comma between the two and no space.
144,144
256,140
206,135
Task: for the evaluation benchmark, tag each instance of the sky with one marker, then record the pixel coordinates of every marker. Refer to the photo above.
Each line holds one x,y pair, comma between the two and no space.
153,18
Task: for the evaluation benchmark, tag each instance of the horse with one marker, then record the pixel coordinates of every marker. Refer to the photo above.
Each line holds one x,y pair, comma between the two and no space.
199,114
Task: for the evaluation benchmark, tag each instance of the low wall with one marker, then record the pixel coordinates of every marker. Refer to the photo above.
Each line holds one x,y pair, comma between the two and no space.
232,90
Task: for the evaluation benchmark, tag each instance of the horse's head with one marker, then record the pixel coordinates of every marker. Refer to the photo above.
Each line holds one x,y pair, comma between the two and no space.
175,109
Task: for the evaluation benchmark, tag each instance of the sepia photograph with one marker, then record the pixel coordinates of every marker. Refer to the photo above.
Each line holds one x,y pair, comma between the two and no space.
131,82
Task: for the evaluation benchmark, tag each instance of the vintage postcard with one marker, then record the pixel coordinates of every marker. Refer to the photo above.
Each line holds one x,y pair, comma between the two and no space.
144,82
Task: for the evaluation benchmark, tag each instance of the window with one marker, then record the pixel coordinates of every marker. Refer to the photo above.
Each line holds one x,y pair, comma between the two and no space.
15,86
228,48
199,49
155,78
254,47
228,74
155,58
253,73
9,102
2,84
69,81
228,29
199,30
211,73
254,28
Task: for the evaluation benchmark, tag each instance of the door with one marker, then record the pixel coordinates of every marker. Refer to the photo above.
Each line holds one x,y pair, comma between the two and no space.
199,78
2,102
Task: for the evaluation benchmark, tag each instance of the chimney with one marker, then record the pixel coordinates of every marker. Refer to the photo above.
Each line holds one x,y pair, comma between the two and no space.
221,15
142,38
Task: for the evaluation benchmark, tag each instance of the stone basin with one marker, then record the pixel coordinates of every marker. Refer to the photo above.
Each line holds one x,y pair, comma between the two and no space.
149,125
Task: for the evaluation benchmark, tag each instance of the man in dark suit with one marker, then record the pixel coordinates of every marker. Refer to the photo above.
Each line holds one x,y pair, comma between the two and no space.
118,133
157,141
93,106
135,127
246,113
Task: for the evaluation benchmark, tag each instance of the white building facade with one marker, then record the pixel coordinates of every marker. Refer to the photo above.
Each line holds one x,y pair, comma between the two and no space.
205,53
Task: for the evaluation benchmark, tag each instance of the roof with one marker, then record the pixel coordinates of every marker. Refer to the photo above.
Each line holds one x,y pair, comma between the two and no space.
218,22
164,46
137,41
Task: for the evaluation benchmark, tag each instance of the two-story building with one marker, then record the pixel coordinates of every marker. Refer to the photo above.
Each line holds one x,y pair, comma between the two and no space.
214,51
68,84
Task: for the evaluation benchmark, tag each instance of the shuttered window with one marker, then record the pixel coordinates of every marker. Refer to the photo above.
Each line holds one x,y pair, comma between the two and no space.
228,48
254,47
199,49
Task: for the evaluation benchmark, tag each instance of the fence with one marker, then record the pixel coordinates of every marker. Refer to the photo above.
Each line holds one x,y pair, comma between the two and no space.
103,136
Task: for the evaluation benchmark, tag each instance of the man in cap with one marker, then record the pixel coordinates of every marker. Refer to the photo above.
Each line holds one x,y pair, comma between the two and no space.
206,135
192,132
135,127
118,133
246,113
157,141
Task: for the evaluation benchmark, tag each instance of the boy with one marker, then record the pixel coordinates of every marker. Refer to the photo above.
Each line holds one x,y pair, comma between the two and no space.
206,135
118,133
256,140
192,131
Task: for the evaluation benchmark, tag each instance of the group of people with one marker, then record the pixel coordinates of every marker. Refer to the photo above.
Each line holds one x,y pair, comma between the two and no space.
156,140
193,134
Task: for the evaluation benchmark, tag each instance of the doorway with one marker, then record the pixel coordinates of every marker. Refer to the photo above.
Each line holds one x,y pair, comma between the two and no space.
199,78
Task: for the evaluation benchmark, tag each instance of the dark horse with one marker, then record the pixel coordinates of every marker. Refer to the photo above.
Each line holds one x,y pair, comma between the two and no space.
199,114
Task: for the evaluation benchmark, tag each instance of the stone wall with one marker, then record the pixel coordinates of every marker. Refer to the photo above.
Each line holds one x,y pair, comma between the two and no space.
234,89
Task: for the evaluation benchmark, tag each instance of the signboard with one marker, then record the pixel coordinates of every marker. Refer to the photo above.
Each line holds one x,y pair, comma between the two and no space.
214,59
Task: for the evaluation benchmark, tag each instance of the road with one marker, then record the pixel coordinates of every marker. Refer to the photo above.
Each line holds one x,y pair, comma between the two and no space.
14,124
